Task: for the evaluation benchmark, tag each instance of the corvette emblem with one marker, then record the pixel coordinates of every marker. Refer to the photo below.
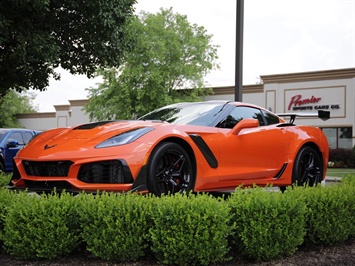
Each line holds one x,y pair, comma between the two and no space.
48,147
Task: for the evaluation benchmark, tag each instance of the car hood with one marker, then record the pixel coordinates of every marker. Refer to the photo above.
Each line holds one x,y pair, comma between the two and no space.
101,130
57,142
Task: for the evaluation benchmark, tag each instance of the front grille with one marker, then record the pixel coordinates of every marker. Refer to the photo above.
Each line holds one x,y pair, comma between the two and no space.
51,168
105,172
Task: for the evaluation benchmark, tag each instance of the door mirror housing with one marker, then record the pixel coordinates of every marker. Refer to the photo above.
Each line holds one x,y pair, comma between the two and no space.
12,143
245,123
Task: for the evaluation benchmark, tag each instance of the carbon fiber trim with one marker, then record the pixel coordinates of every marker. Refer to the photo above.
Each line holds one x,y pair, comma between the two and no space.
206,151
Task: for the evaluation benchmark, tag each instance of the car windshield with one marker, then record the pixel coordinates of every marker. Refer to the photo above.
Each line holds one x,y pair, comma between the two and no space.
202,114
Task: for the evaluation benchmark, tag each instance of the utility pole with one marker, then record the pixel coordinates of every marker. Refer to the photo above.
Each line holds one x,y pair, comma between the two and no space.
238,88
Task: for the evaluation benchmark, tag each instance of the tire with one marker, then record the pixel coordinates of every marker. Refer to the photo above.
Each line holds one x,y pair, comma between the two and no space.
2,168
308,167
170,170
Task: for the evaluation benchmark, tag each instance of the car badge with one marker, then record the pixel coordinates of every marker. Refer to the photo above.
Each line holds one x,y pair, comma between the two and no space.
48,147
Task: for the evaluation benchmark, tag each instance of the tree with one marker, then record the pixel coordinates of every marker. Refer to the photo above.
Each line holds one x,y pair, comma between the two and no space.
14,103
169,56
39,35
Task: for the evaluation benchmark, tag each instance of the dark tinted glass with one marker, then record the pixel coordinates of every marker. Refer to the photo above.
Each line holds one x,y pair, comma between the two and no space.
271,118
239,113
17,136
27,136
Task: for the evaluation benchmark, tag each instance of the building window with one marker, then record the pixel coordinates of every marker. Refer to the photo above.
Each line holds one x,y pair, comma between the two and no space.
339,137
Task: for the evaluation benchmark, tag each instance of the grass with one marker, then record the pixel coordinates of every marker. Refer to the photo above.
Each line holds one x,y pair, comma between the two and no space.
339,172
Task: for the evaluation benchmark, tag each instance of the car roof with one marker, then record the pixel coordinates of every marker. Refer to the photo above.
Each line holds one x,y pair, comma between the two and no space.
235,103
16,129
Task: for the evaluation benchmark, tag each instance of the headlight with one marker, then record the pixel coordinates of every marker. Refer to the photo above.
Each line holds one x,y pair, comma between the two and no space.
125,137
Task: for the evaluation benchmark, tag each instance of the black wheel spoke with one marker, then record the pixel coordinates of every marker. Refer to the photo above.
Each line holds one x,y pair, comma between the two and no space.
179,163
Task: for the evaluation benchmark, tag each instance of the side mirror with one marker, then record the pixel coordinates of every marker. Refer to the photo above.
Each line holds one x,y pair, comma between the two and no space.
245,123
12,143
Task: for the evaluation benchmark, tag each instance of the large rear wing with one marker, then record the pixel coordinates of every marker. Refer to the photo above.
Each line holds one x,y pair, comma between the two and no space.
324,115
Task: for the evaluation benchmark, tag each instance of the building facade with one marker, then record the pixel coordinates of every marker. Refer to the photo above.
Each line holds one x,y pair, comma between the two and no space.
306,92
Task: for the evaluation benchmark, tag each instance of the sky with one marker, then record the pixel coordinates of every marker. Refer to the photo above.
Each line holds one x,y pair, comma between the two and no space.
280,36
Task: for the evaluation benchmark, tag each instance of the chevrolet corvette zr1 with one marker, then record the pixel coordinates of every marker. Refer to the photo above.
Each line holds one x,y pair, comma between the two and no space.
200,146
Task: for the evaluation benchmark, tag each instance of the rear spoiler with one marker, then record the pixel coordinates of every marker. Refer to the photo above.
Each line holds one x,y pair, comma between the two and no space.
324,115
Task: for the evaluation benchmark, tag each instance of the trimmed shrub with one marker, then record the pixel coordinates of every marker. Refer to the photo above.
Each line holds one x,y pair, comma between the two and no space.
268,224
349,182
115,226
4,179
6,200
341,157
331,214
44,227
190,230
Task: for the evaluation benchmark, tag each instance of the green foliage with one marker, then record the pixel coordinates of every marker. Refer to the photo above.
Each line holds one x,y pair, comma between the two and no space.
38,36
190,230
13,103
6,200
194,229
4,179
44,227
268,225
169,56
116,226
331,213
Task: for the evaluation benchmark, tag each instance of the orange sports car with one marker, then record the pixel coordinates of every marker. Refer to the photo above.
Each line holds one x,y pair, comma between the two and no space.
199,146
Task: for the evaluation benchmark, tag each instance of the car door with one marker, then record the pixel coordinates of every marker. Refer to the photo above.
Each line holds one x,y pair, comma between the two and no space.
11,148
254,155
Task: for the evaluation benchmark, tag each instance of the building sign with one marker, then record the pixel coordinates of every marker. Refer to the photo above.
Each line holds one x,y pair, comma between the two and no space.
330,99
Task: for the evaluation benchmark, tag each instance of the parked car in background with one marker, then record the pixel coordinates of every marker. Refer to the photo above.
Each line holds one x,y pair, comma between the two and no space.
11,141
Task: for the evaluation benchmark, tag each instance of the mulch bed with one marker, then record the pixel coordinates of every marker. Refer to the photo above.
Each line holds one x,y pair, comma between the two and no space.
339,255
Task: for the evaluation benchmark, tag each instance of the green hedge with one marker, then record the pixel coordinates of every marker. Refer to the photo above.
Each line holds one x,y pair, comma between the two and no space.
116,226
331,217
45,226
6,200
190,230
268,224
194,229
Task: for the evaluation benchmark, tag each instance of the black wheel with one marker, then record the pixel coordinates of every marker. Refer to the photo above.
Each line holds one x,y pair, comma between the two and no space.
2,168
170,170
308,167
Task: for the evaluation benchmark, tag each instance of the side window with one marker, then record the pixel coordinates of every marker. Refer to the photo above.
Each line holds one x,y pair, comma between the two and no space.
27,136
16,136
240,113
271,118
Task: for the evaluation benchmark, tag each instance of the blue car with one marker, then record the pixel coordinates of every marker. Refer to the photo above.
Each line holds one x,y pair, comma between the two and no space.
11,141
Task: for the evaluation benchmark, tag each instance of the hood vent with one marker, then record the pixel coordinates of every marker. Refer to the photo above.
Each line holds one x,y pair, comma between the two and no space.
91,125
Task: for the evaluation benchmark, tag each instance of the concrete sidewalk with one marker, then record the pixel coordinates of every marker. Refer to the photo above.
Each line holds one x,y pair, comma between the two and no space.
331,179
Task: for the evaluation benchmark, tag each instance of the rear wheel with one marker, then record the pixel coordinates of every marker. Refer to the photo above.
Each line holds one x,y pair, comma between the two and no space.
308,167
170,170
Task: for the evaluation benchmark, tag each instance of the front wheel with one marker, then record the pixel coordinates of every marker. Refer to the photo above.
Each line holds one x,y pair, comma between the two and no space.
308,167
170,170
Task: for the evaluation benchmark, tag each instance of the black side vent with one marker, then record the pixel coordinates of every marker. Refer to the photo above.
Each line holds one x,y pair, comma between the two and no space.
282,170
207,153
